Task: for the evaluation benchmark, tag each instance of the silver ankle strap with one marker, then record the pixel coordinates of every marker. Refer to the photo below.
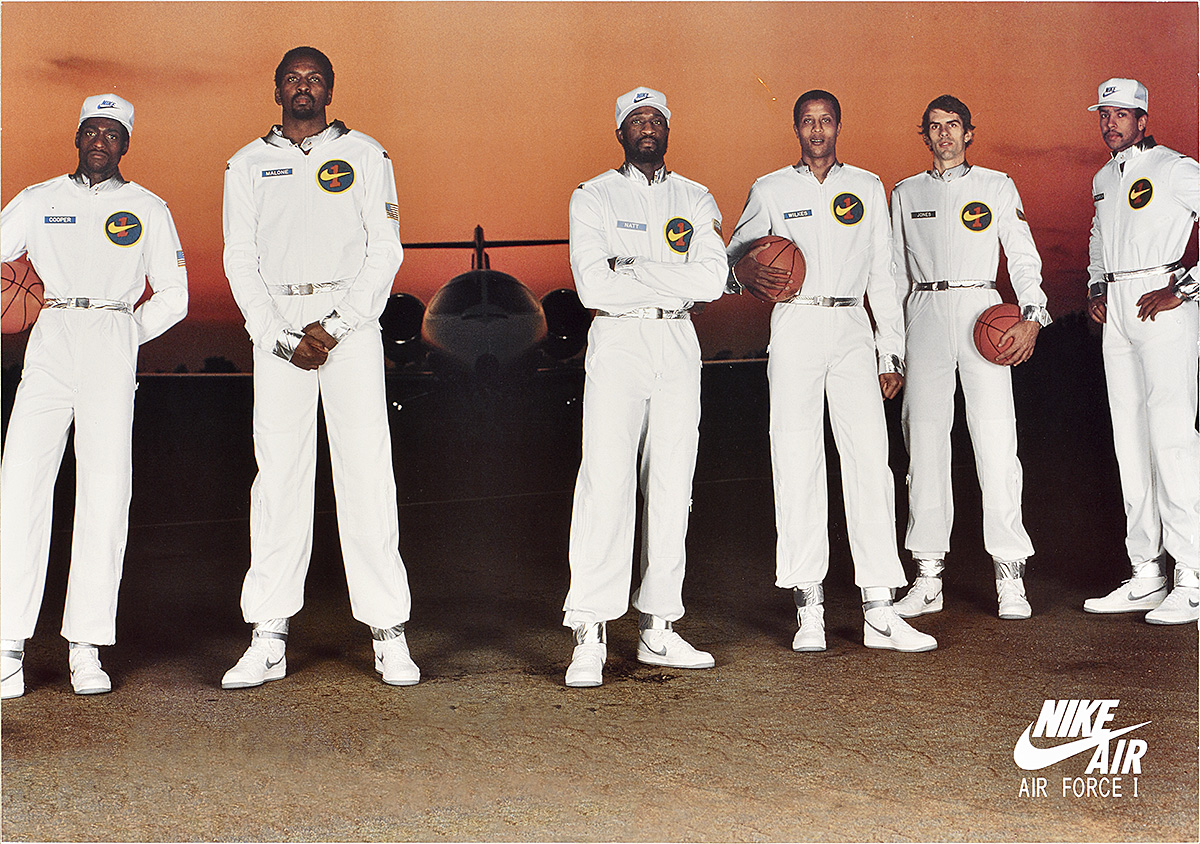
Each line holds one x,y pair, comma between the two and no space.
1011,570
382,634
873,605
929,567
1186,578
593,633
652,622
1150,568
806,596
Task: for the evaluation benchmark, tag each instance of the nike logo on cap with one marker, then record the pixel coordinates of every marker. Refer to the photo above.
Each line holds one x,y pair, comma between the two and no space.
1032,758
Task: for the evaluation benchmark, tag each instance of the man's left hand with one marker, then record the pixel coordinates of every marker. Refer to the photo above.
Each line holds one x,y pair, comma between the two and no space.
890,384
1023,336
1156,301
318,333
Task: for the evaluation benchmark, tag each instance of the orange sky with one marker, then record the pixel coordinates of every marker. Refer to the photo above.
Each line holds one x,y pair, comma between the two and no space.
493,112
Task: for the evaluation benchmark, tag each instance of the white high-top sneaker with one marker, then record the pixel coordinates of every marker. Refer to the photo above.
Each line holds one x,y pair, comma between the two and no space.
392,659
1182,605
1010,589
12,668
264,660
883,628
810,618
587,661
1145,590
659,644
87,677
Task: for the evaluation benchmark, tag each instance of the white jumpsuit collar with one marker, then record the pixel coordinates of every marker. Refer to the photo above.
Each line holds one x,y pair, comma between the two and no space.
630,172
334,130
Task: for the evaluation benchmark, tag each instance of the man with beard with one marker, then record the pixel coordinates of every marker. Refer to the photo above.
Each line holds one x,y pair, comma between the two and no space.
312,245
1147,198
94,239
645,246
948,225
821,348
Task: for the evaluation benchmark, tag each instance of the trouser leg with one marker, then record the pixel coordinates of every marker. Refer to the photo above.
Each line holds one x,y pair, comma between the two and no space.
281,497
615,400
668,465
860,430
355,406
33,448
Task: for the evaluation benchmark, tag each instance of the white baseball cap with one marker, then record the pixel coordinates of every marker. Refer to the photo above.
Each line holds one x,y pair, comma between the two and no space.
1122,93
639,97
110,106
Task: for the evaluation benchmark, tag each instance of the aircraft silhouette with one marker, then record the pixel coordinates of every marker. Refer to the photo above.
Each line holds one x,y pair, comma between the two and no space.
483,321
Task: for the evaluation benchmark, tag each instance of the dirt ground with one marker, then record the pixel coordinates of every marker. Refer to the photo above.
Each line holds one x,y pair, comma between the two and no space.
850,744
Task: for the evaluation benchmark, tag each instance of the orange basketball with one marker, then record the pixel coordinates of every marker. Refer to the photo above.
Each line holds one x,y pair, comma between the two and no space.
782,254
23,295
990,327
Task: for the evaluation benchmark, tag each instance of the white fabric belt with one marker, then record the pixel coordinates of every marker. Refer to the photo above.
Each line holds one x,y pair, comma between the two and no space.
90,304
1125,275
824,301
953,285
649,313
306,289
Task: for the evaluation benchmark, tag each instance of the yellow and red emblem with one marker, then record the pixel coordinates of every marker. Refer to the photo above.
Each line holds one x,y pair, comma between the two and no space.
1140,194
847,208
335,176
123,228
678,232
976,216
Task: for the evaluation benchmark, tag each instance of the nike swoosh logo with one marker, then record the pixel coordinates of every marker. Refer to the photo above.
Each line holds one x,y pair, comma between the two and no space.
842,212
1133,597
107,105
674,236
1193,603
327,176
663,652
970,218
929,600
18,671
1134,195
887,631
1032,758
273,664
113,228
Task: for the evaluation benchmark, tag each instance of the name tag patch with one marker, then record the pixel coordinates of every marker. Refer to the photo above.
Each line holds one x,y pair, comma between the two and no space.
279,171
633,227
923,215
60,218
792,215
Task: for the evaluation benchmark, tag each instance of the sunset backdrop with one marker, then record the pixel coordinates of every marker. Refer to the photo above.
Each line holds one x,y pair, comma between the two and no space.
493,112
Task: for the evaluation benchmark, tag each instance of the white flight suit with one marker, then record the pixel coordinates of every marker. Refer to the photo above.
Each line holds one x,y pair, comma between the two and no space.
95,246
642,383
947,232
312,233
817,352
1147,198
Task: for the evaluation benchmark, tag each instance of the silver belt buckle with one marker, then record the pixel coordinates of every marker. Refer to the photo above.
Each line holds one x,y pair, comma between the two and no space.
83,303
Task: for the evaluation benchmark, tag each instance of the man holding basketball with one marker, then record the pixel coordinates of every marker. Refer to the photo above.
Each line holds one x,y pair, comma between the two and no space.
948,225
645,246
1147,198
822,348
95,239
312,246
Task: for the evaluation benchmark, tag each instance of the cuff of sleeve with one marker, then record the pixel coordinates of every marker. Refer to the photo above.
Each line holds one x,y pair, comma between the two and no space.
1036,313
891,363
625,264
1097,289
337,327
732,285
286,343
1188,287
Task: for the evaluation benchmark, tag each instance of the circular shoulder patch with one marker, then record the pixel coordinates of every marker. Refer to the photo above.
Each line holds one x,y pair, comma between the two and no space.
335,176
847,209
976,216
123,228
678,233
1140,194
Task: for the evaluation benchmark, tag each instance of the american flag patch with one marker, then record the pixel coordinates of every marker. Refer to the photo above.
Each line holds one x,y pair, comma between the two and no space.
393,211
179,258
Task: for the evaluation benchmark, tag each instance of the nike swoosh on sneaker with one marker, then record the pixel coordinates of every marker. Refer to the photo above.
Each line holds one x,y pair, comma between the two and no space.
1133,597
1193,603
1032,758
663,652
929,600
273,664
887,631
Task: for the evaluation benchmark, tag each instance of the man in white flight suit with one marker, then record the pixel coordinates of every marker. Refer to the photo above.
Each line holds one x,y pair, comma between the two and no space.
645,246
312,245
94,239
822,347
948,225
1147,198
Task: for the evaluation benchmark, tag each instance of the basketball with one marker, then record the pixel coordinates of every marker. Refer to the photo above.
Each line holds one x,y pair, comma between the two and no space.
990,327
23,297
782,254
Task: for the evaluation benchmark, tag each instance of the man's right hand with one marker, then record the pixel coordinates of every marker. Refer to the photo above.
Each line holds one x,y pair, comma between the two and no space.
1097,309
309,354
763,282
